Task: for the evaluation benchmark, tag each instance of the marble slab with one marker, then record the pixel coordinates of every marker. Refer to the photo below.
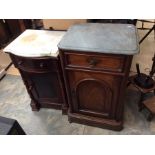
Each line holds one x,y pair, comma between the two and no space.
36,43
103,38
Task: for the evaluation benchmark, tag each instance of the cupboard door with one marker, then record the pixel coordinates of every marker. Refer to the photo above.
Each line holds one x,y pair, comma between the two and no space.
94,94
44,87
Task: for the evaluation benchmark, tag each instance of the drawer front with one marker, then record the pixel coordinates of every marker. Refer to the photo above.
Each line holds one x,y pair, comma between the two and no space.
39,65
104,62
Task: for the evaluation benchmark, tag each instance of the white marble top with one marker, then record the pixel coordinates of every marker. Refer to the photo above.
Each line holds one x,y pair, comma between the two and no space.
36,43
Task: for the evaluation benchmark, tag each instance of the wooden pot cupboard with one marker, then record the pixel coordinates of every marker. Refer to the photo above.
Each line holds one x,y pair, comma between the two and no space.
34,53
96,60
96,94
43,79
86,77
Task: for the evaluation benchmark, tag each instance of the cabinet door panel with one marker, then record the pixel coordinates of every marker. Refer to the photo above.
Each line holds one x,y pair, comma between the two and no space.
94,94
97,97
44,87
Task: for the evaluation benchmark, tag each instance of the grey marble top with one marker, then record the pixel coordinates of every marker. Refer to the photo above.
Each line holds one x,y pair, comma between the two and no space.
103,38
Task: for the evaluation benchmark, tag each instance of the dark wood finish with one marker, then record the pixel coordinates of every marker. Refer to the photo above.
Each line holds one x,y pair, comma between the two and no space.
143,91
43,79
149,104
11,28
4,35
122,21
95,90
95,62
39,64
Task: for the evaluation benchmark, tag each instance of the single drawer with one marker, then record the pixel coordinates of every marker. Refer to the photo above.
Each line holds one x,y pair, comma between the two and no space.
97,62
36,64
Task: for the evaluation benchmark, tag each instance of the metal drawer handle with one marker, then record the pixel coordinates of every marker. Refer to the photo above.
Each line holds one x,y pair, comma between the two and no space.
92,62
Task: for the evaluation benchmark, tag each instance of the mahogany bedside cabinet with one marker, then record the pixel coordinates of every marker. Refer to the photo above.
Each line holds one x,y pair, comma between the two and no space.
36,56
96,60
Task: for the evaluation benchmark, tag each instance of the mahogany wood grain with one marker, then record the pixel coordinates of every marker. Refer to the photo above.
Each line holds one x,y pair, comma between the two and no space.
106,62
43,79
150,104
95,93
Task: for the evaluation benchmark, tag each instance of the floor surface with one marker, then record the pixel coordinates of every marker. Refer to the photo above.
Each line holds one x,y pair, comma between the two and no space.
15,103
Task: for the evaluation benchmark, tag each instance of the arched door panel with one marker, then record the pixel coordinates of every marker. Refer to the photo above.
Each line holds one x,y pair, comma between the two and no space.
93,97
